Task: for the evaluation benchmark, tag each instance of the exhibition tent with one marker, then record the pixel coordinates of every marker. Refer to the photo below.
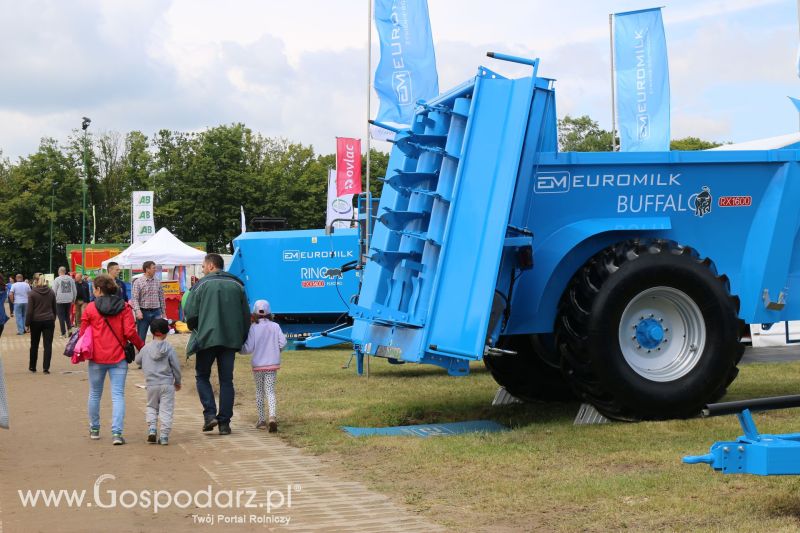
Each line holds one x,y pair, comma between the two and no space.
163,248
122,256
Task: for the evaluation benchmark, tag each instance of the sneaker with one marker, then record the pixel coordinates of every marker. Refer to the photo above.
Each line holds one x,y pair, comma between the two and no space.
224,429
261,424
151,436
117,439
94,433
273,426
164,440
46,372
210,424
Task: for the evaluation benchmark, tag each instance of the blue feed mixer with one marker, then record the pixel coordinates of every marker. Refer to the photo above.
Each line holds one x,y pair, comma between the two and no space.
297,272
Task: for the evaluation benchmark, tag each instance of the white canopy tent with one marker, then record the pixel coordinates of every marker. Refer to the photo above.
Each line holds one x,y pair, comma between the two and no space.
163,248
122,256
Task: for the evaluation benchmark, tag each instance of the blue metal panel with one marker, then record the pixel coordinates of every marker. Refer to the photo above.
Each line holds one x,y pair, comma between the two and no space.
628,192
467,274
436,249
289,269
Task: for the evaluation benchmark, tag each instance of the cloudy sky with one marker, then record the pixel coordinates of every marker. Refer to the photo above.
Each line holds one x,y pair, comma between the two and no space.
298,69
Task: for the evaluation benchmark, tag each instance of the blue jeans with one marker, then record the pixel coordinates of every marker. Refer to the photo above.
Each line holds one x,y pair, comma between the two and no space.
97,377
204,361
19,314
144,324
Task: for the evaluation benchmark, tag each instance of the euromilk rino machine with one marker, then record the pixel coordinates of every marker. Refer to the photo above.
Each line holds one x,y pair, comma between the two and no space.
301,274
624,278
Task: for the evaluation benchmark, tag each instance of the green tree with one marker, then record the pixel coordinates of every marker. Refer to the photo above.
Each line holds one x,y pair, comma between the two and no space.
44,177
582,134
200,181
692,143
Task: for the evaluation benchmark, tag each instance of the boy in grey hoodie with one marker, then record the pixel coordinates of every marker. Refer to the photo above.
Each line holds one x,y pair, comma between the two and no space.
162,375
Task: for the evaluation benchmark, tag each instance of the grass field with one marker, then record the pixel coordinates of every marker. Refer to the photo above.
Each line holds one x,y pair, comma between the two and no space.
544,474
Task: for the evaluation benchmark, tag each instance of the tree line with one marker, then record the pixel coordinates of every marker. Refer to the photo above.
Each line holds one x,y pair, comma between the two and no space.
582,134
200,180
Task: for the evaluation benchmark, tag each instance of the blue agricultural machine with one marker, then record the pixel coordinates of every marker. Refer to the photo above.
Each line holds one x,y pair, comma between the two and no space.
307,275
626,279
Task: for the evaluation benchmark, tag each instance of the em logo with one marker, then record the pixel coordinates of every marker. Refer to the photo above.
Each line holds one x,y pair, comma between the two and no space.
291,255
551,182
401,83
643,128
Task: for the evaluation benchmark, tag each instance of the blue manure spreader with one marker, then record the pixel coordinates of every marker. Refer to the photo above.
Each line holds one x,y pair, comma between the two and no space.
625,279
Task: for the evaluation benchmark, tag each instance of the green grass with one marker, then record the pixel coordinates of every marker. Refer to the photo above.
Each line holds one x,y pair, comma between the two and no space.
544,474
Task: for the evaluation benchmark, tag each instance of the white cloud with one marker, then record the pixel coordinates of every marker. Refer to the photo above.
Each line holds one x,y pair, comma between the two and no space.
298,69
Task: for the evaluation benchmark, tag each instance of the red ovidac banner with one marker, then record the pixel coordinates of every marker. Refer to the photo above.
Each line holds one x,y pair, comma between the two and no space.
348,166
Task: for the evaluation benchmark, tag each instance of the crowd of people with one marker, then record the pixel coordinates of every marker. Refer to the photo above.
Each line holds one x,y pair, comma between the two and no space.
221,321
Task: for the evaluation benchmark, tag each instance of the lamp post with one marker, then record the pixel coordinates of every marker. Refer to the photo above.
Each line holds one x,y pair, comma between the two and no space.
52,216
84,126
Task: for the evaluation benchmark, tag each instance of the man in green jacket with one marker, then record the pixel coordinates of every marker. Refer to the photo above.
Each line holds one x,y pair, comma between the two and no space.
219,317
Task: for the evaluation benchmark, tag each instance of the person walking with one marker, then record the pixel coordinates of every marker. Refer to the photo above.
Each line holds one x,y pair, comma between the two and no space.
3,296
66,292
40,317
147,298
112,325
265,341
219,317
8,291
19,295
82,297
162,374
113,271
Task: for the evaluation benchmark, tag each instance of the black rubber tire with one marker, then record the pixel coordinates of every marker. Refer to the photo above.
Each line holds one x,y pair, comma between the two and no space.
527,375
587,331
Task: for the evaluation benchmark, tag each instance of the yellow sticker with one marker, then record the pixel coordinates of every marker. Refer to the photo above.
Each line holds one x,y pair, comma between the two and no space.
313,240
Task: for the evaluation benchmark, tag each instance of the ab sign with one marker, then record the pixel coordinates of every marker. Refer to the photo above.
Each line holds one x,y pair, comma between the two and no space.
144,225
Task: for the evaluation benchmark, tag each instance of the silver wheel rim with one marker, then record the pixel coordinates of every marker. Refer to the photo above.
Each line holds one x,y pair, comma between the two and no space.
662,334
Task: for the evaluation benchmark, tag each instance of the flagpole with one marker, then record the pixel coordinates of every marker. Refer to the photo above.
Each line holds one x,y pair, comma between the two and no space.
369,95
613,93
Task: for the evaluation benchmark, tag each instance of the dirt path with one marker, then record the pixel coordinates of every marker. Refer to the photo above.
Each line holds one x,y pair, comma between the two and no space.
191,484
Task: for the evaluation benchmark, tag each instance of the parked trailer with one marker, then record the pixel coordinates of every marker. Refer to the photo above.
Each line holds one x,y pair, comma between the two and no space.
623,278
300,273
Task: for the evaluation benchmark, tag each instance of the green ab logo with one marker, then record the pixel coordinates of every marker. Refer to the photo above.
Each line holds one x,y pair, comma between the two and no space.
145,215
145,200
146,230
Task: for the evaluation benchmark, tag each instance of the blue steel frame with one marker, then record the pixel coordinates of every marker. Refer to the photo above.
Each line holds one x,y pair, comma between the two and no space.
753,453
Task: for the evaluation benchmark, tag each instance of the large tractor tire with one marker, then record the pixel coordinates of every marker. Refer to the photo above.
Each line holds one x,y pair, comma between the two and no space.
647,330
531,374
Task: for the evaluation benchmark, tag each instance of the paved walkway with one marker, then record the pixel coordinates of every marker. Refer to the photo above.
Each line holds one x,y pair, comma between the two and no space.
279,487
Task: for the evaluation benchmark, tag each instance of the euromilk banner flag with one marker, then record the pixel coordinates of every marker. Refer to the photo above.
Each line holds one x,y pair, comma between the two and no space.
348,166
407,68
642,80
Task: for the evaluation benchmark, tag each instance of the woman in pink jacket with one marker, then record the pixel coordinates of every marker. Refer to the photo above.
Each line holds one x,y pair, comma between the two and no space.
111,320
